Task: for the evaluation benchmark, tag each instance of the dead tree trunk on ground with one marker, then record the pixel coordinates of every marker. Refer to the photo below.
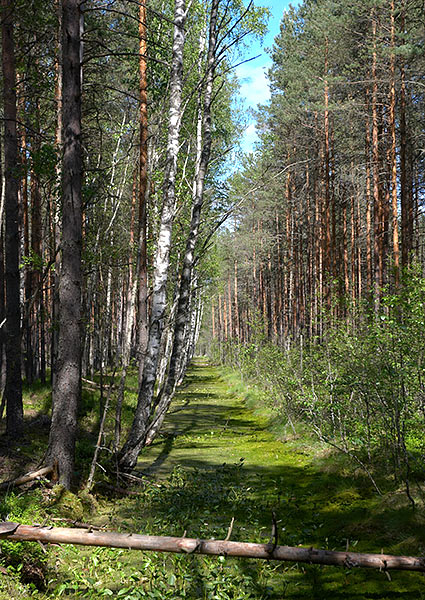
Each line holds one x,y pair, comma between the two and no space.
87,537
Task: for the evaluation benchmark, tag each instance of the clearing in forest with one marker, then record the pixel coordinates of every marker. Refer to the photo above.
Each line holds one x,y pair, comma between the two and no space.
216,460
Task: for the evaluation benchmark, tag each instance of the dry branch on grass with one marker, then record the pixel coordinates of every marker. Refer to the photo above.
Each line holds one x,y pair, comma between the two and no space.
62,535
28,477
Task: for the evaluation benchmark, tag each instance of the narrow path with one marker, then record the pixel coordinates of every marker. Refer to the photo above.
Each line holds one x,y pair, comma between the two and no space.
208,426
219,460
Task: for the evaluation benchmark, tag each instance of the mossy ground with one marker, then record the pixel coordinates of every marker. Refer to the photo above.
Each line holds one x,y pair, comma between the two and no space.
220,456
317,499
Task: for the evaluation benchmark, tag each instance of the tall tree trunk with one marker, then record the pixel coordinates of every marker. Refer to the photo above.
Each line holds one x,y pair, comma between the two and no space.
229,307
255,284
129,319
2,314
353,246
359,250
214,333
225,319
405,184
56,202
279,300
142,327
392,123
345,250
27,271
130,451
327,212
204,139
236,301
220,323
13,389
318,297
66,392
369,254
196,311
36,235
377,199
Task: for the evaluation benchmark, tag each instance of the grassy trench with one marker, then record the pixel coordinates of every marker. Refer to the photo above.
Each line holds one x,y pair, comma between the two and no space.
211,433
217,460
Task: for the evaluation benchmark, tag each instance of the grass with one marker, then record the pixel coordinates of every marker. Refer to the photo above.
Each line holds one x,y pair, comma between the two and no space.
222,454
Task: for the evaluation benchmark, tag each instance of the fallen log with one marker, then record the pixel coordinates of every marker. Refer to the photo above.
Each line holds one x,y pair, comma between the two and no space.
28,477
90,383
16,532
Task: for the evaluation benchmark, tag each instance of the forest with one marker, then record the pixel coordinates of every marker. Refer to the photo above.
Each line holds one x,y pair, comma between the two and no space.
322,272
203,341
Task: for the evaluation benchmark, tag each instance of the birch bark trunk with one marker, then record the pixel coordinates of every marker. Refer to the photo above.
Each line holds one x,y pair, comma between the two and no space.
129,321
168,390
130,451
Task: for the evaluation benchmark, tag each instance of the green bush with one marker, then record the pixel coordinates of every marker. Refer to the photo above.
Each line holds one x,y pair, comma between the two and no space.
360,388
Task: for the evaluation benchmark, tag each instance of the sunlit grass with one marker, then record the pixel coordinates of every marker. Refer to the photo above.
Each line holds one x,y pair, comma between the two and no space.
224,454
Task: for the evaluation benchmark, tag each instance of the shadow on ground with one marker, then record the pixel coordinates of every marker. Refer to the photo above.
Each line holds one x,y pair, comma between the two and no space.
216,461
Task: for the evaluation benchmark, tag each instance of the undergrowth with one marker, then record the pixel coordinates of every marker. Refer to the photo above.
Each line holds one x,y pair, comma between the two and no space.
359,387
218,459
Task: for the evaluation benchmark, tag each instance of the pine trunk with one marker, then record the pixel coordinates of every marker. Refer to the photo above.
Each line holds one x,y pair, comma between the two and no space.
377,201
142,326
13,389
394,201
66,392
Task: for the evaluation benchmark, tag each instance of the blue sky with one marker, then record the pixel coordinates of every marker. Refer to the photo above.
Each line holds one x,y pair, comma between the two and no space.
252,75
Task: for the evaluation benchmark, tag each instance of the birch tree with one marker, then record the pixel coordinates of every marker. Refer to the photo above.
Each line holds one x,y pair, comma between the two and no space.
130,451
182,315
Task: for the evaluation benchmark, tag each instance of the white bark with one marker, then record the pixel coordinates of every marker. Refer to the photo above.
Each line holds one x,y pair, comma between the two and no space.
167,344
185,296
135,441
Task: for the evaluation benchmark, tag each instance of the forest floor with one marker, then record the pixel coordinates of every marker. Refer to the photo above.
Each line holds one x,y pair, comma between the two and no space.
218,459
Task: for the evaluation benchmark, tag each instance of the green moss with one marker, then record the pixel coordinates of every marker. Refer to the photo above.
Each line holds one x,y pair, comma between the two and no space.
214,423
64,503
224,454
89,502
25,562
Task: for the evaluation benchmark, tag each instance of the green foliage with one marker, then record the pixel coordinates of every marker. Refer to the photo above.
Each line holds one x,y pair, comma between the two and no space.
361,390
44,162
198,500
33,261
317,499
153,577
